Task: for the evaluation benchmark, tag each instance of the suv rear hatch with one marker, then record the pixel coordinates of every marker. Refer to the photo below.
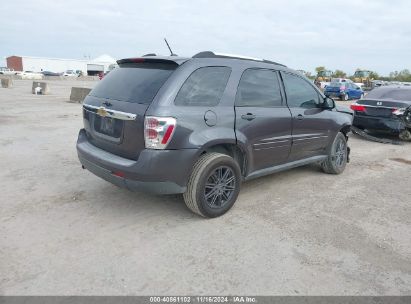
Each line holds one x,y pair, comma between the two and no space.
114,110
335,87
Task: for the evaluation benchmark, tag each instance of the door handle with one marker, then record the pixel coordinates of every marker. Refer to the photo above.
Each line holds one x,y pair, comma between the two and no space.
248,116
300,117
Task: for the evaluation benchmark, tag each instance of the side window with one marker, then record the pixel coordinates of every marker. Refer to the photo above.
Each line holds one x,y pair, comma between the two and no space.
299,92
258,88
204,87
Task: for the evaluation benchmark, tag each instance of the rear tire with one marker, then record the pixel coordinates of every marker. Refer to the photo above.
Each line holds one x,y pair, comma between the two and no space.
337,156
214,185
344,97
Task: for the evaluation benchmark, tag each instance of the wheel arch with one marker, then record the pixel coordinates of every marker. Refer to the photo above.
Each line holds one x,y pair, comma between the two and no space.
230,149
345,129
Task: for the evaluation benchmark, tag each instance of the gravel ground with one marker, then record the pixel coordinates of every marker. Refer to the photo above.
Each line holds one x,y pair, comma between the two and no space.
64,231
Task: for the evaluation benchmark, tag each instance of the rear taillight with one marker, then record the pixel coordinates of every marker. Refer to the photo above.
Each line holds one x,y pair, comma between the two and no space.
398,111
158,131
357,107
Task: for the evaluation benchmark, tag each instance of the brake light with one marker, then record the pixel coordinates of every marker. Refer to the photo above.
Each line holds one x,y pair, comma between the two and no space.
167,136
357,107
158,131
118,174
136,60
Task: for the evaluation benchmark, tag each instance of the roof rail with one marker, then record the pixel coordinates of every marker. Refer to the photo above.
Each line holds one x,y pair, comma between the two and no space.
209,54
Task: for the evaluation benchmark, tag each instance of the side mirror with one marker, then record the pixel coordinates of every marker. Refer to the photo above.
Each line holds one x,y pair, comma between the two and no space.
329,103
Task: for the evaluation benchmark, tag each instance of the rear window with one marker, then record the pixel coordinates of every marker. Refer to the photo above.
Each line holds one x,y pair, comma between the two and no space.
387,93
138,83
259,88
337,84
204,87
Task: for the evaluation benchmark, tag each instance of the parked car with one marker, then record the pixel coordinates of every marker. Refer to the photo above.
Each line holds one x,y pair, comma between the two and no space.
30,75
202,125
341,80
6,71
70,73
48,73
382,108
344,90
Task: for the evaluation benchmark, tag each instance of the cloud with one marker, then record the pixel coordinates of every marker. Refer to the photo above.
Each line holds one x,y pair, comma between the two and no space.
301,34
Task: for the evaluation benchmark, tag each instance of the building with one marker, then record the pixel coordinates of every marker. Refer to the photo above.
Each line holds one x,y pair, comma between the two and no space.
58,65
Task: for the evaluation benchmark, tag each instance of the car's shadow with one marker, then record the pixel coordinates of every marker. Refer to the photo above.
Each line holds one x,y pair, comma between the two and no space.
105,197
380,137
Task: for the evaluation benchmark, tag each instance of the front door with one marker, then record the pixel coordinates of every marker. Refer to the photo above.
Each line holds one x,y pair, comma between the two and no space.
354,91
263,121
310,123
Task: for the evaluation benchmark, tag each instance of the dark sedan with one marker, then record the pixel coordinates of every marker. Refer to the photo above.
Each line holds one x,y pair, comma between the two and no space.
48,73
382,109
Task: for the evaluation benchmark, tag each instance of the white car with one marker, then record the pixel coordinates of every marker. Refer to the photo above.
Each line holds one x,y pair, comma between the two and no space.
341,80
6,71
30,75
70,73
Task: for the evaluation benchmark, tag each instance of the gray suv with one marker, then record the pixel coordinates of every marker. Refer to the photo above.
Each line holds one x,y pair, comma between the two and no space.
202,125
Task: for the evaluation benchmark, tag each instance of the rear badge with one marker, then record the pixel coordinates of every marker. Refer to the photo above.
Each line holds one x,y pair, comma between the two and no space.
102,112
379,103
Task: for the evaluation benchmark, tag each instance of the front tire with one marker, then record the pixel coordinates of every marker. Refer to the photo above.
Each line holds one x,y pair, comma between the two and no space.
214,185
337,156
344,97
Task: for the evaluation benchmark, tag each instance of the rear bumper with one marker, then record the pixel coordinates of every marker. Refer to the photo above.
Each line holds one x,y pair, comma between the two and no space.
378,123
155,171
334,94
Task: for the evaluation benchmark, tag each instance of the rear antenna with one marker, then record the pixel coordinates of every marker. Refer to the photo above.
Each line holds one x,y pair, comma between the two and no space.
171,52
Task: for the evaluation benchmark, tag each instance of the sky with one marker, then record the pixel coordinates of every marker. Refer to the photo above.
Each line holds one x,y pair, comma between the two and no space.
346,35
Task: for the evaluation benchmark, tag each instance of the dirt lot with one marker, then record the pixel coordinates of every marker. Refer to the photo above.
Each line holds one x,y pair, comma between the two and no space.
64,231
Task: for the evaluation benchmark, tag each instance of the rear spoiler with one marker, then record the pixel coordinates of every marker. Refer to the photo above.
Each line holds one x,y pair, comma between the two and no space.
164,60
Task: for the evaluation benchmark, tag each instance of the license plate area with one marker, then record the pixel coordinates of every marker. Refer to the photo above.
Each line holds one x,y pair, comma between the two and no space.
108,126
382,112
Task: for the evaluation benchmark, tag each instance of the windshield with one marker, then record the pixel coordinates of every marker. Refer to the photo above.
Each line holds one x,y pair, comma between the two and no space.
390,93
361,74
137,83
324,73
337,84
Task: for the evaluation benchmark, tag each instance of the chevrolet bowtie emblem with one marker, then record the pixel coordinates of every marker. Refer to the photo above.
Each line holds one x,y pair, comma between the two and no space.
102,112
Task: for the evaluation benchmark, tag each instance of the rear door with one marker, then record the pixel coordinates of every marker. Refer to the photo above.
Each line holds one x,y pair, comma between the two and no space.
310,123
354,91
263,121
114,110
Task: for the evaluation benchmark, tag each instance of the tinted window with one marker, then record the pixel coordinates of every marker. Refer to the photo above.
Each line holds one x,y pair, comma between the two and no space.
258,88
390,93
137,83
204,87
299,92
336,84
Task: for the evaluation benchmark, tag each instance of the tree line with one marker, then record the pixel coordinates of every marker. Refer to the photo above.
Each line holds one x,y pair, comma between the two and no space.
403,75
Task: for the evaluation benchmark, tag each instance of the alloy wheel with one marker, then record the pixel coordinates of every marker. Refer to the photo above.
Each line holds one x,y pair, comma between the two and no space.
219,187
339,155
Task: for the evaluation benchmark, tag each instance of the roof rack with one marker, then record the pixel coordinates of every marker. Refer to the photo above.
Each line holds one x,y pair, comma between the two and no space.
209,54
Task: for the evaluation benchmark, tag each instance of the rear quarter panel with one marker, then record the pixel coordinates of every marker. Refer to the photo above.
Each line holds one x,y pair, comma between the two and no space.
192,132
